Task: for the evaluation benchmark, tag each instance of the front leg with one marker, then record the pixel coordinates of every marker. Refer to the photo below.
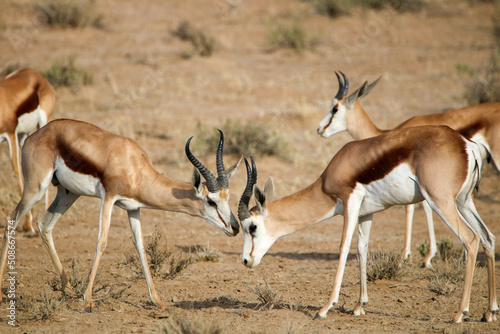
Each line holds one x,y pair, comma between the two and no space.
135,224
365,224
351,214
104,222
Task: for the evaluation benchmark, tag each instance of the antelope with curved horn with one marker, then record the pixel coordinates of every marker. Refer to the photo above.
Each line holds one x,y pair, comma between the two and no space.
84,160
479,123
27,101
403,166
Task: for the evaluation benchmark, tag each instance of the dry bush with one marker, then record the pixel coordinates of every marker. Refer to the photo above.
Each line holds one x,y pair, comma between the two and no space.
178,324
382,265
39,307
292,36
243,139
445,275
163,261
267,297
202,44
68,13
78,280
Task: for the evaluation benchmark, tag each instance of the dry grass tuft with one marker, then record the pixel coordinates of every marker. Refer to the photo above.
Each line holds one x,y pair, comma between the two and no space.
39,307
381,265
203,45
207,254
66,73
243,139
192,325
69,13
267,297
163,261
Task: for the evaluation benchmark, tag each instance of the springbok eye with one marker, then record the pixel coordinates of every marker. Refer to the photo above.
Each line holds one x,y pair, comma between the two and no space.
211,203
252,229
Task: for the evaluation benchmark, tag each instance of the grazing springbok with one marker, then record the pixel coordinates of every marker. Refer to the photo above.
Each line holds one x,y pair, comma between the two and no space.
403,166
479,123
27,101
82,159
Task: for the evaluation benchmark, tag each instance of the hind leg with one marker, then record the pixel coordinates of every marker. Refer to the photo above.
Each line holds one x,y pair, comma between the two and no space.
63,201
448,212
471,216
33,194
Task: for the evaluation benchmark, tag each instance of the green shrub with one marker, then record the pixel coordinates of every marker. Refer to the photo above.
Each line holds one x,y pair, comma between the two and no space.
243,139
66,73
290,36
68,13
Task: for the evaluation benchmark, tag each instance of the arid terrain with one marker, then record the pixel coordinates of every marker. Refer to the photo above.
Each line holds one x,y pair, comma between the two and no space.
147,86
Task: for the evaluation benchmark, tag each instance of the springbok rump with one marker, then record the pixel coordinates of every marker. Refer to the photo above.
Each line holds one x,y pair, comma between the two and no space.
27,102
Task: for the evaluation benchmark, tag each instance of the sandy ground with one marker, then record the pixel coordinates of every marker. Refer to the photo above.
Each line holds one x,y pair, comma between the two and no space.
144,89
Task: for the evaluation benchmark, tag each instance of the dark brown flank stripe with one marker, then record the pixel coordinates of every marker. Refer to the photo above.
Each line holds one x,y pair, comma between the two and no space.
29,104
379,168
469,131
77,163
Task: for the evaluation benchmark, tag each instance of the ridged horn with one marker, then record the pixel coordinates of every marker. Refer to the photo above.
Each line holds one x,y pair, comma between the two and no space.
212,184
222,177
243,211
343,86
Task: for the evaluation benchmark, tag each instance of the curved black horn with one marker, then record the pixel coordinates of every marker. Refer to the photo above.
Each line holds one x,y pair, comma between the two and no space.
340,92
212,183
346,84
222,177
243,211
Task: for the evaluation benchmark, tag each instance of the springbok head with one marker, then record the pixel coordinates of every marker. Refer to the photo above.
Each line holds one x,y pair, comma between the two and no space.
214,193
336,119
257,239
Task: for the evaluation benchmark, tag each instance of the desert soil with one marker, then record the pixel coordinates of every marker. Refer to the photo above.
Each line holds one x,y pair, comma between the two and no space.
143,88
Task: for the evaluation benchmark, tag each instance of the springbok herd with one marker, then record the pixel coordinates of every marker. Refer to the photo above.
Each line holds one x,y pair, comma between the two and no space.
435,159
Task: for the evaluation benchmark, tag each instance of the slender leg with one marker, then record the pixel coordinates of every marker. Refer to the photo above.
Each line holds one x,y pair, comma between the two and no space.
432,235
351,214
135,225
104,222
470,239
471,216
31,196
365,224
61,204
410,210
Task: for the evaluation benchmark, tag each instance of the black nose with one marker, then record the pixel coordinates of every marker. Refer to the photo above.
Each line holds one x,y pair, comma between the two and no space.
245,261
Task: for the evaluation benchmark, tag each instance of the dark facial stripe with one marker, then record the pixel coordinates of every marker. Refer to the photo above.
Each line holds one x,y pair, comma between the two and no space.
334,111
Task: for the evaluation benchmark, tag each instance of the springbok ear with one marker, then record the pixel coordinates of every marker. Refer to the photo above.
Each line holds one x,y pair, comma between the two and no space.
269,189
231,170
356,94
263,196
368,88
196,182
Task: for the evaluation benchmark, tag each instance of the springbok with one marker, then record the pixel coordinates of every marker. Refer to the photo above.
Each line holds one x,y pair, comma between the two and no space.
82,159
479,123
27,101
404,166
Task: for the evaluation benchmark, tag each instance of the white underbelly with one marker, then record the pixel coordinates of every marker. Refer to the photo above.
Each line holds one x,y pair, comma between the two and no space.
81,184
29,122
399,187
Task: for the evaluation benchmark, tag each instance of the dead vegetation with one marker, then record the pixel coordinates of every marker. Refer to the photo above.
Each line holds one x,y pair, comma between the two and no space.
163,261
